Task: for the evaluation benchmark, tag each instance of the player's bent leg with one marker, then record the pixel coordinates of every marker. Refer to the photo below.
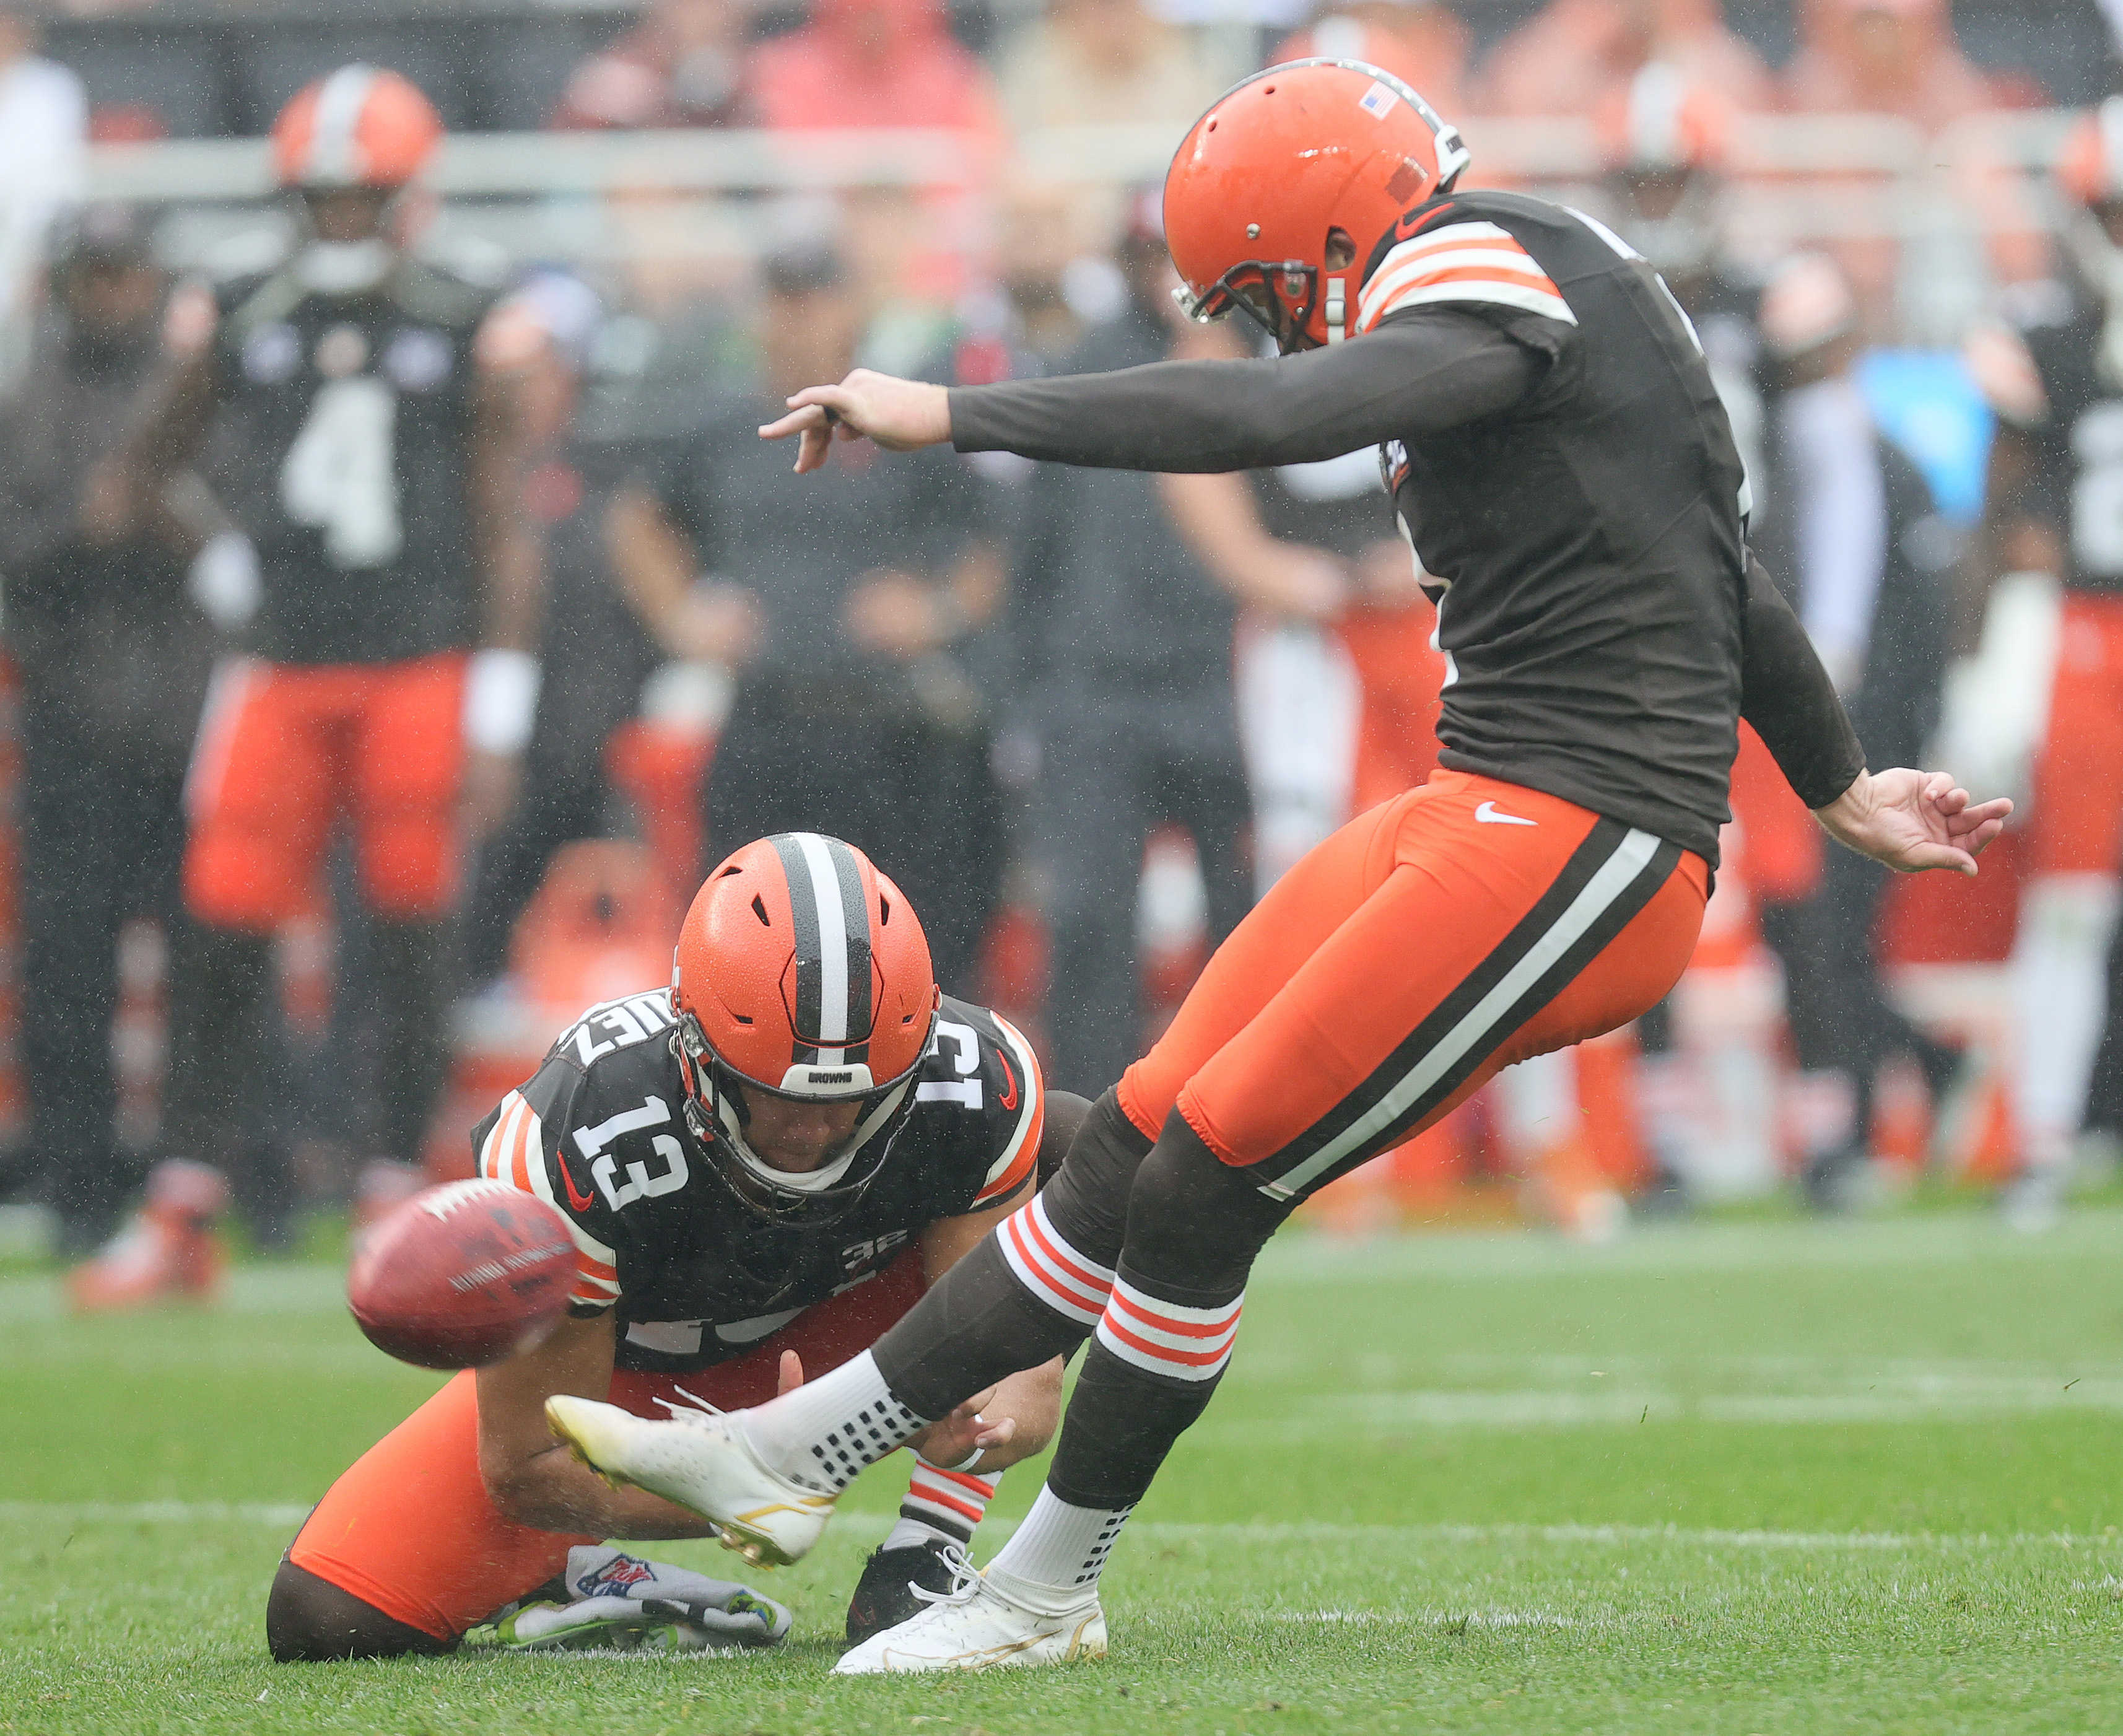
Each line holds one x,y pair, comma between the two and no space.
309,1619
1299,914
410,1533
1035,1288
1031,1291
1489,949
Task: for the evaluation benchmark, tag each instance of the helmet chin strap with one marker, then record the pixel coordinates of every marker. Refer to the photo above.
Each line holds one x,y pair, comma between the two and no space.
2100,263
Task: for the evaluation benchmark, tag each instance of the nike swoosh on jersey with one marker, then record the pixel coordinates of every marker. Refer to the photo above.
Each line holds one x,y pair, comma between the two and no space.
1488,815
1007,1097
580,1201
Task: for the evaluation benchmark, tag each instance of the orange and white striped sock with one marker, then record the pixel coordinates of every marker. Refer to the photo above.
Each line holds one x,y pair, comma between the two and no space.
941,1506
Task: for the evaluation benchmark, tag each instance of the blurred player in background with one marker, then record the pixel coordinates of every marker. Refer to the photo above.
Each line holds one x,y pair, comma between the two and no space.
1666,144
1862,552
2054,507
112,655
1558,456
843,620
756,1192
371,399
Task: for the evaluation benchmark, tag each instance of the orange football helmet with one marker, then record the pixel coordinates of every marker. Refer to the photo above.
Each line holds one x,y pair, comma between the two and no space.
1284,160
2090,166
801,972
362,126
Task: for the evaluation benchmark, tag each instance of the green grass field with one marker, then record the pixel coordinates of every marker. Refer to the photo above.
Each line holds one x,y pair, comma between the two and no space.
1736,1479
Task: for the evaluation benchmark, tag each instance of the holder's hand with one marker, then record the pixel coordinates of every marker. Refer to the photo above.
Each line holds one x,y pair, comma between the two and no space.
898,414
1913,820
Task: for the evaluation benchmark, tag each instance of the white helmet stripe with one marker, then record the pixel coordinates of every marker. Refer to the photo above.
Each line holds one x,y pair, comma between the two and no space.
832,939
335,154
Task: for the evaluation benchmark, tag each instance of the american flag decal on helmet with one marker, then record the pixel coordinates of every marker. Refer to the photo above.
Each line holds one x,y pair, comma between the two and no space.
834,988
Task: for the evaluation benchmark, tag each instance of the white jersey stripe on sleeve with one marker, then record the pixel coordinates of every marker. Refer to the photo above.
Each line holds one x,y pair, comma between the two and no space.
1462,262
1029,1115
1499,295
497,1138
514,1151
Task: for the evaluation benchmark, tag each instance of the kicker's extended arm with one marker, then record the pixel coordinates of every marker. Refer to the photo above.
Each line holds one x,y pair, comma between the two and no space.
1410,377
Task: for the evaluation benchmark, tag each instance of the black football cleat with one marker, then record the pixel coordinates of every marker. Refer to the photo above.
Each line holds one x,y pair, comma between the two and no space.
884,1596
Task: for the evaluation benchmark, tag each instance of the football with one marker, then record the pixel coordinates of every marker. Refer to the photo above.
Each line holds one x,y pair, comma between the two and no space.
462,1275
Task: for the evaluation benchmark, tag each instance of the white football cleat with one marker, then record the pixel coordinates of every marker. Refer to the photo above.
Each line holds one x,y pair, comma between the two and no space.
974,1626
701,1463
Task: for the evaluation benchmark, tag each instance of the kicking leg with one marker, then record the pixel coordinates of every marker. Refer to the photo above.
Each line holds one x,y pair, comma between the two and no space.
1479,949
1037,1287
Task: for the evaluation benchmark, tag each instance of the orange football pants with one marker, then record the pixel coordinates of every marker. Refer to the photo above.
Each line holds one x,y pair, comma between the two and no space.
1443,936
411,1530
284,749
2077,825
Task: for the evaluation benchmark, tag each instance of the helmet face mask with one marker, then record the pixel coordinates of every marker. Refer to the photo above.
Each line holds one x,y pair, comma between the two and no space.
1277,296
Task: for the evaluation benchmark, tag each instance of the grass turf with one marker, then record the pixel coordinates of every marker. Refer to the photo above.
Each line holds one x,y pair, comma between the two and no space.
1749,1478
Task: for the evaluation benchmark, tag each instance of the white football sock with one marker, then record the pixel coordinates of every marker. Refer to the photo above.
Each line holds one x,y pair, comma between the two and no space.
827,1430
2060,996
1053,1560
918,1533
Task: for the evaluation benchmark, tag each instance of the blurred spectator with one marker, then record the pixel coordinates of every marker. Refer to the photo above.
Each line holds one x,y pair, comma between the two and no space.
1901,58
841,611
2054,512
1051,286
682,66
1127,635
1863,553
44,136
113,656
1096,62
1886,57
1424,43
874,64
1576,54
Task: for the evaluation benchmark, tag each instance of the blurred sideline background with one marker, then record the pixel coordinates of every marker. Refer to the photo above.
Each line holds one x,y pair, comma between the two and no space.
632,173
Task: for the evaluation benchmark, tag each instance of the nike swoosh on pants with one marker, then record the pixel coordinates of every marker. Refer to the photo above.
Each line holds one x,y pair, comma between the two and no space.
1488,816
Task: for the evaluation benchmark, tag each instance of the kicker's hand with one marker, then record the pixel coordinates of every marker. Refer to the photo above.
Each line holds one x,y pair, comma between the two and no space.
1913,820
898,414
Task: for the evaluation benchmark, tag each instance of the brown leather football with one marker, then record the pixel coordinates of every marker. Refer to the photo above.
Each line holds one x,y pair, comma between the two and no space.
463,1275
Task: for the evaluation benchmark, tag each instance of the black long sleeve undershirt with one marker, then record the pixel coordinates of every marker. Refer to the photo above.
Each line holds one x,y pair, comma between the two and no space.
1785,694
1408,378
